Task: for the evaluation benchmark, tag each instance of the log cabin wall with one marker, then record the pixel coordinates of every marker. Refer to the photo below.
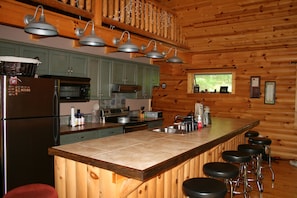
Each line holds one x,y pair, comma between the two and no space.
260,39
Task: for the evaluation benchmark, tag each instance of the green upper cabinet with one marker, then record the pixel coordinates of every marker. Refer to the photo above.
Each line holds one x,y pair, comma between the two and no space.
100,74
40,53
148,77
9,49
105,78
67,64
124,72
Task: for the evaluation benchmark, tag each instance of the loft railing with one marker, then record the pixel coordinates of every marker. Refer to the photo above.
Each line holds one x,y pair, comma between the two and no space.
144,17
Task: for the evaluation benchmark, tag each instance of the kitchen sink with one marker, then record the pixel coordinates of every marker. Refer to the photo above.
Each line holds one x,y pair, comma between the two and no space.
169,130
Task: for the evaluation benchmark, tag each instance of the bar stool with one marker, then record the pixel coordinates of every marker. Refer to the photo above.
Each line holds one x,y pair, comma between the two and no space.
266,142
250,134
204,187
32,191
256,164
223,170
243,159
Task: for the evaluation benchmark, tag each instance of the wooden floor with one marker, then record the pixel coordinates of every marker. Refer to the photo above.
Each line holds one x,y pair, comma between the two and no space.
285,185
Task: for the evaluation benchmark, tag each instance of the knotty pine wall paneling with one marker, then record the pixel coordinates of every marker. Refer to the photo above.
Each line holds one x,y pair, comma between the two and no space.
276,121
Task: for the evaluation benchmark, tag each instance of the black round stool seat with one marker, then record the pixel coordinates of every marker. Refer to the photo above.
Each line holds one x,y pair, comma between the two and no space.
236,156
252,149
201,187
260,140
220,170
251,134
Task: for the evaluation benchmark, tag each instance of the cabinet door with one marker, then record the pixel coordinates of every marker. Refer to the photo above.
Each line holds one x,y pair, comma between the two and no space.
78,137
155,72
59,63
105,78
111,131
78,65
67,64
130,73
118,72
140,80
9,49
94,75
41,54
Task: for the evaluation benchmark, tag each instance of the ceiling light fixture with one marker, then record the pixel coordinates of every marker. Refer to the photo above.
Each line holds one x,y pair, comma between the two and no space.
126,47
154,53
41,27
175,58
92,39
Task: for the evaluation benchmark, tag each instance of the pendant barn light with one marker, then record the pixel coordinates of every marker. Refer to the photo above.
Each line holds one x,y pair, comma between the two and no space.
41,27
154,53
126,47
92,39
175,58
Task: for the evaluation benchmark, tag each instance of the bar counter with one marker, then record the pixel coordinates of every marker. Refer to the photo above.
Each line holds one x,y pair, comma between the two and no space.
142,163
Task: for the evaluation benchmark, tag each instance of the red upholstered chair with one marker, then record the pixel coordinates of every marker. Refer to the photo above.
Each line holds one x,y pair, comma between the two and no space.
32,191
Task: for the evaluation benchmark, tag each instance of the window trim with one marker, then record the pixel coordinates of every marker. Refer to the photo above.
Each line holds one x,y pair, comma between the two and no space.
190,86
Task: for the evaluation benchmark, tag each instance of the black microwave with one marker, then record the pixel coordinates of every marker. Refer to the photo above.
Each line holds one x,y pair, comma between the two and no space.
72,89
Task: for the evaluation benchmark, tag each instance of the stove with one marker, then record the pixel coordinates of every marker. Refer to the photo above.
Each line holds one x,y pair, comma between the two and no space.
134,124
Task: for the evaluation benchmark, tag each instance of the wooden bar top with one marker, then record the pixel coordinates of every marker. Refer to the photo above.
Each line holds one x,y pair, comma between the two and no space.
144,154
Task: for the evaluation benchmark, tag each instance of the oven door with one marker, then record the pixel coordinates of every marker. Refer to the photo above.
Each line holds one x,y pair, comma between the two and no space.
130,127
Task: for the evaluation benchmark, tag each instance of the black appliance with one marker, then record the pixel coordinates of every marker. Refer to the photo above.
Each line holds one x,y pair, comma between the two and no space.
72,89
29,125
134,124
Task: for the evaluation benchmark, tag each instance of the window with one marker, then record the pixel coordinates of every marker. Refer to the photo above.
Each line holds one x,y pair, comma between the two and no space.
214,82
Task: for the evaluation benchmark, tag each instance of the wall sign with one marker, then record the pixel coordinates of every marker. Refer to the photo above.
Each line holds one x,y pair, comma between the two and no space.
255,87
269,92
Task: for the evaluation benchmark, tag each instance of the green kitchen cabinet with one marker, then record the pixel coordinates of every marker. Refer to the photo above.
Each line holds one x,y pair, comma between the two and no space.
100,74
111,131
78,137
148,77
124,72
9,49
88,135
154,124
41,54
67,63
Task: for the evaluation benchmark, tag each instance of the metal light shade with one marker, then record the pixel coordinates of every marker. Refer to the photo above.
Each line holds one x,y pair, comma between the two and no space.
41,27
154,53
92,39
175,58
128,46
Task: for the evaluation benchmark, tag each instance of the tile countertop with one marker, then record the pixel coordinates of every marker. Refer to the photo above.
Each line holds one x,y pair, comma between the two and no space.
144,154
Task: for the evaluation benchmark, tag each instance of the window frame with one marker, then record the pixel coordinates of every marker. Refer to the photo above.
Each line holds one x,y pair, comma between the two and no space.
190,87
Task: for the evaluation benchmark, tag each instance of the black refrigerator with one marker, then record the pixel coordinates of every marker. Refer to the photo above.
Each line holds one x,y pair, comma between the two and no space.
29,126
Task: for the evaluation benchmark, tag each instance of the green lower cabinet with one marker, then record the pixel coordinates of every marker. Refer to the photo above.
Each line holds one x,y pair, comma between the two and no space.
155,124
111,131
88,135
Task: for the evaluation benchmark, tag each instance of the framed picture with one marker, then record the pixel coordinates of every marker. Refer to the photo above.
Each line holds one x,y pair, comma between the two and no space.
255,87
269,97
224,89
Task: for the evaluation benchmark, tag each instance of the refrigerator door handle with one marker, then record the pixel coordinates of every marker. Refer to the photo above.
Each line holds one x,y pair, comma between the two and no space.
56,114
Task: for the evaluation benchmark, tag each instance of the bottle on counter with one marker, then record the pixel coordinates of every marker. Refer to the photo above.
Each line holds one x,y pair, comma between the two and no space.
200,124
72,121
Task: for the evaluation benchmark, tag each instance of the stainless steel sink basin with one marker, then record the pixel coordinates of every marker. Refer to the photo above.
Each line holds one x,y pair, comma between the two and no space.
169,130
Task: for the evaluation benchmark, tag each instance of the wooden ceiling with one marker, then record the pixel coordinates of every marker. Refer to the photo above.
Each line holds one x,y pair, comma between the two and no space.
212,26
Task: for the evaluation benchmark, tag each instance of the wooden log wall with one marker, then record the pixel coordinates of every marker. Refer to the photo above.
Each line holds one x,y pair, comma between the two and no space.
74,179
259,38
276,121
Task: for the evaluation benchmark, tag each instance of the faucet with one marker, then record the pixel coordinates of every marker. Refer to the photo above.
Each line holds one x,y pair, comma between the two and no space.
178,117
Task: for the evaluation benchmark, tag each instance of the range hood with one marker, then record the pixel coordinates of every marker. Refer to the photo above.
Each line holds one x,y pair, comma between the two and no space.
119,88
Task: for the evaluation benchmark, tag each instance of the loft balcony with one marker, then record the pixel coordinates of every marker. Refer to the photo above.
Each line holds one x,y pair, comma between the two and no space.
144,18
